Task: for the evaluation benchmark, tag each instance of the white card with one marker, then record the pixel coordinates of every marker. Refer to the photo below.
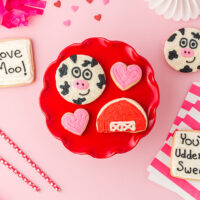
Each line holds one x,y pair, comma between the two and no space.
185,155
16,62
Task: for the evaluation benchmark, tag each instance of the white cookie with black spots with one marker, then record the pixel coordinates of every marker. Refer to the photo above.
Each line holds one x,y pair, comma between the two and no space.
182,50
80,79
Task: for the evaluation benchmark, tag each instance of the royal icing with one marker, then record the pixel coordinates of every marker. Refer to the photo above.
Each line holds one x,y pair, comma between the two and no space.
121,115
125,76
182,50
185,155
16,62
80,79
75,123
122,126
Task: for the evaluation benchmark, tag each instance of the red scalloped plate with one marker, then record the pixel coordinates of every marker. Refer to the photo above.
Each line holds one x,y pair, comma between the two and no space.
100,145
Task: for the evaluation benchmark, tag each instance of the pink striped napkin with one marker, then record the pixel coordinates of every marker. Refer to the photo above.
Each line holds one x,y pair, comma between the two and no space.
188,118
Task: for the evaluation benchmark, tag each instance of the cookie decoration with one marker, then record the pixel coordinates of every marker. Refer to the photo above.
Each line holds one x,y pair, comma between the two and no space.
80,79
125,76
16,62
77,122
84,107
182,50
121,115
185,155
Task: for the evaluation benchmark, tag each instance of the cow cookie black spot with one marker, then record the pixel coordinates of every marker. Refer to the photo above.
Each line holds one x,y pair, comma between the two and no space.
182,50
80,79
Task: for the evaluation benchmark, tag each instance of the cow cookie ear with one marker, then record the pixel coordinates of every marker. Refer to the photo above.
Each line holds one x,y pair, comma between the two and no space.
80,79
73,58
182,50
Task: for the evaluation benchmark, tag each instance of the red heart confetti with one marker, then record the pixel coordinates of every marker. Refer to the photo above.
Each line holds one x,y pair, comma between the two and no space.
98,17
89,1
57,4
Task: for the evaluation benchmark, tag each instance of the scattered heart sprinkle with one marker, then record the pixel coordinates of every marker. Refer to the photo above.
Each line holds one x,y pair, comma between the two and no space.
75,8
57,4
89,1
67,22
105,2
98,17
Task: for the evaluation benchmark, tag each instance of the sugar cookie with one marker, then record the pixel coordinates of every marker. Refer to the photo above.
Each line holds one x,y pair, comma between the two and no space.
182,50
16,62
77,122
125,76
80,79
185,155
121,115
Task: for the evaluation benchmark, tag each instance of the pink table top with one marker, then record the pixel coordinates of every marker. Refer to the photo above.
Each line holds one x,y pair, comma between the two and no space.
82,177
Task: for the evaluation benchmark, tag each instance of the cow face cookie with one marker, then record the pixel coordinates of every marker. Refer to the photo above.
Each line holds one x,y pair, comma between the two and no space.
182,50
80,79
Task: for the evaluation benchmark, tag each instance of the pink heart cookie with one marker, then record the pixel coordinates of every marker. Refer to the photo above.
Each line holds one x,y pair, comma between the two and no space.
125,76
77,122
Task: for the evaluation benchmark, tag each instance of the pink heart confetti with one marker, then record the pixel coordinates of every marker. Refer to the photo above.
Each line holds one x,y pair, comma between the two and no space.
105,2
75,8
67,22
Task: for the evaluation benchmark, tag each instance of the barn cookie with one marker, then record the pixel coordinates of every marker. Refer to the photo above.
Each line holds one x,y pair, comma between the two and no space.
182,50
80,79
16,62
121,115
125,76
185,155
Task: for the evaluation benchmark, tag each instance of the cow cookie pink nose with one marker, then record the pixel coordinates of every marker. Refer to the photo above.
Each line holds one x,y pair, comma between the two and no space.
81,84
186,52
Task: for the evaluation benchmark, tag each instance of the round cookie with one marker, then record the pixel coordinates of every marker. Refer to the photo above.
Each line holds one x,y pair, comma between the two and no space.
182,50
80,79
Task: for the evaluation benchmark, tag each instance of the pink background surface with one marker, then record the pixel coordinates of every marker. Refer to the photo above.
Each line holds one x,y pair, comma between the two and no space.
82,177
